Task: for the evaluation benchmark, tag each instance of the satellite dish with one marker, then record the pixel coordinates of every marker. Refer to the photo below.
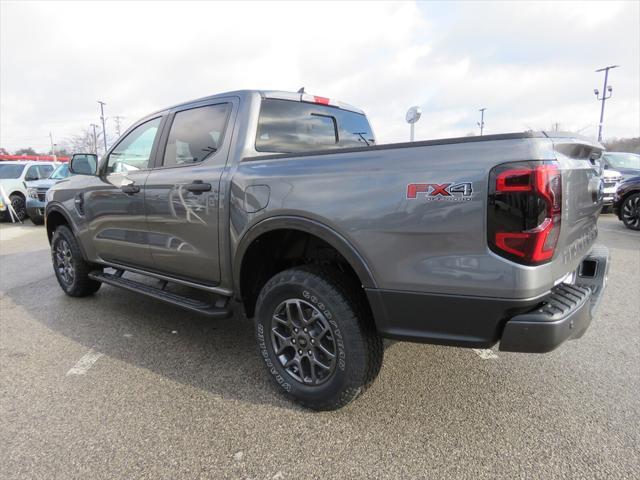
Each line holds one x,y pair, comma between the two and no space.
413,114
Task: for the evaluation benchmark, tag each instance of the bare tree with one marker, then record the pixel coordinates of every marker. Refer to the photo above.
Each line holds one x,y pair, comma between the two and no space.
81,142
85,142
623,145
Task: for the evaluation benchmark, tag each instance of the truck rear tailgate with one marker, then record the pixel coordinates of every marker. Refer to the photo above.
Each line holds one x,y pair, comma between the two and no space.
581,202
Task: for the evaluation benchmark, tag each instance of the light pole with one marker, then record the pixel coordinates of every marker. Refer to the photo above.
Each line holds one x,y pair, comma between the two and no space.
53,146
413,115
481,122
95,138
605,89
104,130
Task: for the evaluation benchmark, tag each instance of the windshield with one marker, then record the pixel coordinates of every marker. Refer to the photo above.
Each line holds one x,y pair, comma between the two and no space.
11,170
61,172
622,160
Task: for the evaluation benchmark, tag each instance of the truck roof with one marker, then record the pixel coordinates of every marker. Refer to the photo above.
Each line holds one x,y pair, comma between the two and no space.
279,94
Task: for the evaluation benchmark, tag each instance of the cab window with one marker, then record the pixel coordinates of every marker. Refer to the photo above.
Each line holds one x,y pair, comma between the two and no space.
196,134
134,151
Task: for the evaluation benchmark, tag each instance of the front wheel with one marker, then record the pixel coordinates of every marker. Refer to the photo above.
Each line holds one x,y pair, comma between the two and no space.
70,267
19,206
37,219
630,212
316,336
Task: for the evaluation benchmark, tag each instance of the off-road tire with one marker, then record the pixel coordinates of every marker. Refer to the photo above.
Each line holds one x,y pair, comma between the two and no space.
79,284
341,301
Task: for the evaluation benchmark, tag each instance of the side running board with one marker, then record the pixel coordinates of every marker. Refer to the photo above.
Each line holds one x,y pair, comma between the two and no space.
204,308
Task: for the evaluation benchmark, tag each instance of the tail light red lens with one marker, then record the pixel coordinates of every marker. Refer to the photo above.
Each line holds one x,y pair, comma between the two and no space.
525,209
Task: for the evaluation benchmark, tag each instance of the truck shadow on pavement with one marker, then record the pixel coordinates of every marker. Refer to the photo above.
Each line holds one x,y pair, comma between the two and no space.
219,356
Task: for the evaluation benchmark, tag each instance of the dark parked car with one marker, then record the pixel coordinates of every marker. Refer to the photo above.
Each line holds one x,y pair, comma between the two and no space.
626,203
628,164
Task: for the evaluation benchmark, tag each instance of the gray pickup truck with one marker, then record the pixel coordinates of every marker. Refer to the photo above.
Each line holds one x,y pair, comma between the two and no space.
283,204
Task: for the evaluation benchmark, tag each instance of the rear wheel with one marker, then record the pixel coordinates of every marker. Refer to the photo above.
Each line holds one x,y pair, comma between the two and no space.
630,212
70,267
316,336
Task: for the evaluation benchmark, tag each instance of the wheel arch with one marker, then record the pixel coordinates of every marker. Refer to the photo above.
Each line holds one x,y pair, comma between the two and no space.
304,226
19,193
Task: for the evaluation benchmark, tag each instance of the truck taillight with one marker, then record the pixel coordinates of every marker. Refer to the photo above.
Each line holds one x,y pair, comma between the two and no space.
524,212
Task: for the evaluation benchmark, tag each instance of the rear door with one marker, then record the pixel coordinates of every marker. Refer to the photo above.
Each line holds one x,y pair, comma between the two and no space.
182,192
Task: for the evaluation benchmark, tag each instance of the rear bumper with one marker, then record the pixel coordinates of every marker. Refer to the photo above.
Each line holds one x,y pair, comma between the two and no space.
565,314
534,325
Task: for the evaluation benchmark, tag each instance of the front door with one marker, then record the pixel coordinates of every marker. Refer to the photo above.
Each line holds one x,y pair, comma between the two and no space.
182,192
114,208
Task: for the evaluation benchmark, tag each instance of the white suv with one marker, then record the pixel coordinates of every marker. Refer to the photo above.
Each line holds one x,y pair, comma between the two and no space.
13,175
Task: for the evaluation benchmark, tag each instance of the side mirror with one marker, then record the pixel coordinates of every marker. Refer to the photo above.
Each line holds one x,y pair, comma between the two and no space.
31,178
83,164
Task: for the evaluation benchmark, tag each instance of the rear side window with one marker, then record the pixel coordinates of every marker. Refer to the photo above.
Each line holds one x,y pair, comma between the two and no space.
196,134
286,126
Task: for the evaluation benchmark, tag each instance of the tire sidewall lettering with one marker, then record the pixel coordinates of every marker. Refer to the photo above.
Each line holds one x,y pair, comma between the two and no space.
262,345
342,356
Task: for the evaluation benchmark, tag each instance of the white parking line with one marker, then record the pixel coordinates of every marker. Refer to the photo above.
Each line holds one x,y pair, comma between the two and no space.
85,363
485,353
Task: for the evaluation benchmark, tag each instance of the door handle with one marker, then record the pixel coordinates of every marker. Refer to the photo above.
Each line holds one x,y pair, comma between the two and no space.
198,186
130,189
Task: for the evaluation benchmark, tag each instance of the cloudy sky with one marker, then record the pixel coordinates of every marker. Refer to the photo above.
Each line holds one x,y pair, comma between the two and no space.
530,64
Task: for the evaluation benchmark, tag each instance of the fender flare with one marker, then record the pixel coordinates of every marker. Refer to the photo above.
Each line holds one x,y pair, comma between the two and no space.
54,207
303,224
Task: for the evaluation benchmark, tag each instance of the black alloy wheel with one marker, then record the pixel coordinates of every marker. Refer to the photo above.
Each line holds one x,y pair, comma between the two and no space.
631,212
303,341
63,262
19,206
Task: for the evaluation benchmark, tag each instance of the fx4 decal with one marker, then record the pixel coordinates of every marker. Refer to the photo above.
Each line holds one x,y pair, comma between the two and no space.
440,191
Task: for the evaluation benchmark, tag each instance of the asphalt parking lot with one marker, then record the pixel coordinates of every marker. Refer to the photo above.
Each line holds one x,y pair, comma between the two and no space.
121,386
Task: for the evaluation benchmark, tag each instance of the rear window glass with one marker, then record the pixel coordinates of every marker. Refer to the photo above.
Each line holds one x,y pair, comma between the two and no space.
286,126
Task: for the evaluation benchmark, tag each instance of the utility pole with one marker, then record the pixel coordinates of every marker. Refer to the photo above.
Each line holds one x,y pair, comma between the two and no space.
481,122
605,89
53,150
104,130
95,138
117,119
